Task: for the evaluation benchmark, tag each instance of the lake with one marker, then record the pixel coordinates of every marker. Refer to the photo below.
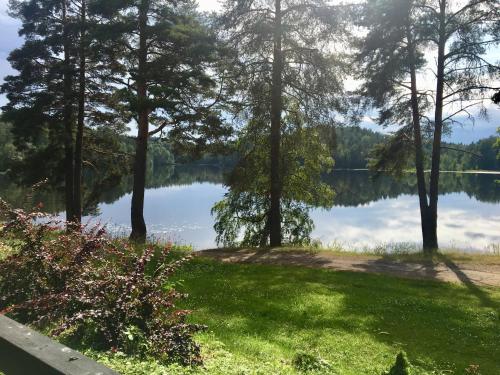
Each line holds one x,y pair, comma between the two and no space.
368,213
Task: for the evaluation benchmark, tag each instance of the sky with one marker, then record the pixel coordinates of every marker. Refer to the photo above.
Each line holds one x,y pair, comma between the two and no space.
207,5
10,40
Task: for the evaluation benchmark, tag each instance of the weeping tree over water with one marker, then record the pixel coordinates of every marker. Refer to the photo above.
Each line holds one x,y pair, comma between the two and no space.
283,52
242,217
456,36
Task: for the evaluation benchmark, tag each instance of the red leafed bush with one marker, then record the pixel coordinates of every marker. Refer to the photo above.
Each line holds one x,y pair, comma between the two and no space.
93,290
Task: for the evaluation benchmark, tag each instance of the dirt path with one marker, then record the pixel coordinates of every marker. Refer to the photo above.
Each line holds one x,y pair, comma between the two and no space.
469,273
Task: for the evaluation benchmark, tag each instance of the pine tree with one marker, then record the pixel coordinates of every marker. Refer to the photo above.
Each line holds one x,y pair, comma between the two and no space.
159,54
60,92
459,34
82,100
41,106
282,54
463,34
390,56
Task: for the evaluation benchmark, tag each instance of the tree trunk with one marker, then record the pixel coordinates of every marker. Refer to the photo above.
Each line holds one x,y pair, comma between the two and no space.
68,118
438,131
419,155
137,210
81,119
265,234
276,109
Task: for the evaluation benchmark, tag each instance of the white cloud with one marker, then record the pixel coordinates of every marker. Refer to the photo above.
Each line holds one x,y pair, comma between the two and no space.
208,5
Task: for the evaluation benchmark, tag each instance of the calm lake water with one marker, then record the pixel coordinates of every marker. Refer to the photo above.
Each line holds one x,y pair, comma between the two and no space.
367,213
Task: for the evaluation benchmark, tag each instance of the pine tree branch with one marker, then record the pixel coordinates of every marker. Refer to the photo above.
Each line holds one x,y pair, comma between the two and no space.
468,6
160,128
462,109
463,151
469,88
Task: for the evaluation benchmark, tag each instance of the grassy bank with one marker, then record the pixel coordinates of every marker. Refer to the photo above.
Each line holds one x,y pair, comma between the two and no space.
266,319
261,318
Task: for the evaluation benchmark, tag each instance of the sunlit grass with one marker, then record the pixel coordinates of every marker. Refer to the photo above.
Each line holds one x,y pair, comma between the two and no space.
260,317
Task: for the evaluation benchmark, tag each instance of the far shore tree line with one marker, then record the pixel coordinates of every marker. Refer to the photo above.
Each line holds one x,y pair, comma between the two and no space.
263,79
352,148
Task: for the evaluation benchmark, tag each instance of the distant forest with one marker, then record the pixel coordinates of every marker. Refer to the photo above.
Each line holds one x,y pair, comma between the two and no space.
351,149
355,145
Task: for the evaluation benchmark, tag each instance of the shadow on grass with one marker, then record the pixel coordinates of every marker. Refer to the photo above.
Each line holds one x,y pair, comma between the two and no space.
289,308
269,256
470,284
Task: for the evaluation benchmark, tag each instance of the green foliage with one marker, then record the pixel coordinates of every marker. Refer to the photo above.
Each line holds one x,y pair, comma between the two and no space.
159,154
180,53
480,155
305,362
352,146
401,367
305,157
497,144
7,149
395,154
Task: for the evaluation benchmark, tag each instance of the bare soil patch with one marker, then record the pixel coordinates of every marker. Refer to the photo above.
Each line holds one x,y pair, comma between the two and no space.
442,268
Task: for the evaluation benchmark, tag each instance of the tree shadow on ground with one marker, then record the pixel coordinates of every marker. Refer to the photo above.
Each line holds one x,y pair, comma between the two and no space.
481,295
289,308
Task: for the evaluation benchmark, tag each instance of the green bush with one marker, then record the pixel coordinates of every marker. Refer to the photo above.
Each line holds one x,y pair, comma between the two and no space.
306,362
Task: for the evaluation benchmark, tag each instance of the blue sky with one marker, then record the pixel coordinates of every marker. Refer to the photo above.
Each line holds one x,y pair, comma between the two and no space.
9,40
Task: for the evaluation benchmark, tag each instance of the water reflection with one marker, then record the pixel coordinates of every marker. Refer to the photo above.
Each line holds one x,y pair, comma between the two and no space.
367,212
464,222
180,213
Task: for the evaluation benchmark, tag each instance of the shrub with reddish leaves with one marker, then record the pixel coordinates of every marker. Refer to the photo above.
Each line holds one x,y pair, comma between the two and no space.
93,290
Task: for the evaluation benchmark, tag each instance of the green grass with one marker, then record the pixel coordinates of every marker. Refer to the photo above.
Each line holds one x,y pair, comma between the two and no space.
261,317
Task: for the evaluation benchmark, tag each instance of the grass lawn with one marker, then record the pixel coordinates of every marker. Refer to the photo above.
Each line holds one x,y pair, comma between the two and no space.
261,317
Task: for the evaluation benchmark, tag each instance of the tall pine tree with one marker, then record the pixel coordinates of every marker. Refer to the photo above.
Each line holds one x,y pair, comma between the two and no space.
160,58
60,92
41,97
282,51
390,57
456,36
